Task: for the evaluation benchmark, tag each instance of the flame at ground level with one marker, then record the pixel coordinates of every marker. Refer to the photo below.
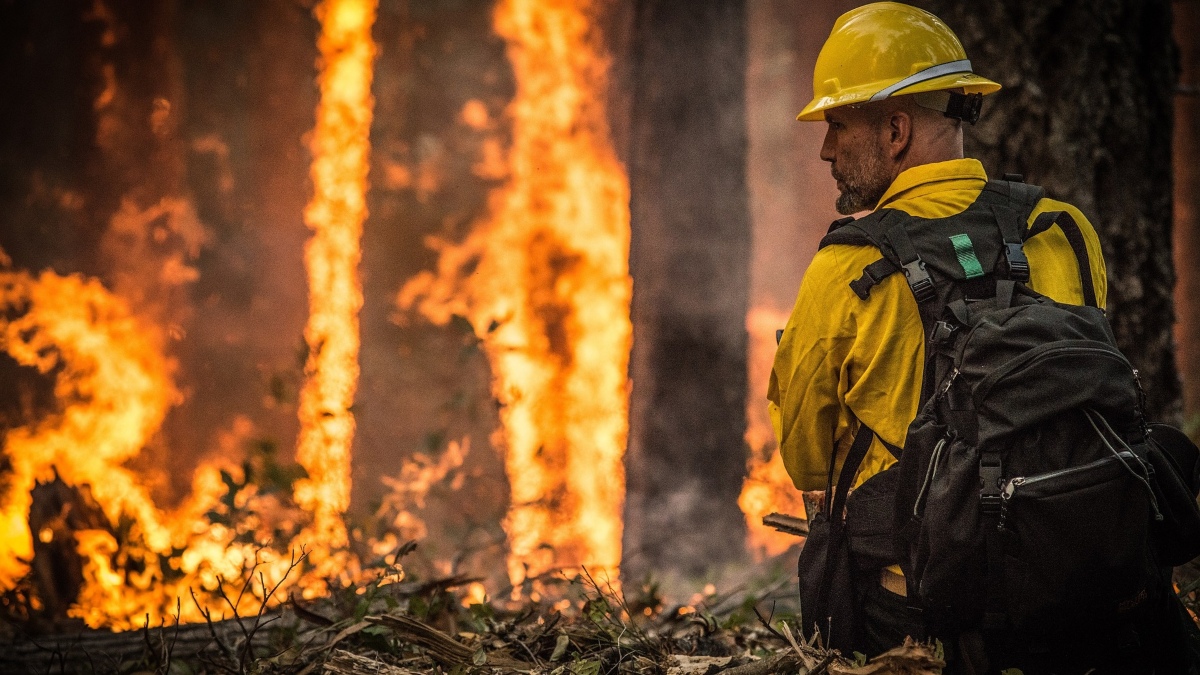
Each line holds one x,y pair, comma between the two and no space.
113,388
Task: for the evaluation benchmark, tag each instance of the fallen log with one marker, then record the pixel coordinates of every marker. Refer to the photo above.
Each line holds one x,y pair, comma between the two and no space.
443,648
777,664
94,650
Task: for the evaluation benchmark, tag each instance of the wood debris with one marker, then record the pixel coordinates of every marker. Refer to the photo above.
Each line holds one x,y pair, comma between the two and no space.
576,627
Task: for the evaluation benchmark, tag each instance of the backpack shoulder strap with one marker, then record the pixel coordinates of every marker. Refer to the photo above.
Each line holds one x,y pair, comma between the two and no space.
1022,197
1025,199
883,230
1012,202
850,231
835,494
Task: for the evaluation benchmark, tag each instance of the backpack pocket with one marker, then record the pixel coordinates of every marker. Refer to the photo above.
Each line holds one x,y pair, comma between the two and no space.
949,559
923,446
1075,542
827,584
1174,459
869,511
1184,454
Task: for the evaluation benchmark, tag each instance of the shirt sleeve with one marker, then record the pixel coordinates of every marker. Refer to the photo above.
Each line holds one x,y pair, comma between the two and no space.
842,359
1054,271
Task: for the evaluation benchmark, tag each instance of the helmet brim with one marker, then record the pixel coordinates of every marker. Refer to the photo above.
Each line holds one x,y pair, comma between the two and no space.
969,83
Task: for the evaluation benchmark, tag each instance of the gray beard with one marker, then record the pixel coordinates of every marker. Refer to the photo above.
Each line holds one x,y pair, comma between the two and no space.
863,188
849,203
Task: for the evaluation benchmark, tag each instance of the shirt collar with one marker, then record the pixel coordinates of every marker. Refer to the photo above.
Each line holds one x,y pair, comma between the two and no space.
926,178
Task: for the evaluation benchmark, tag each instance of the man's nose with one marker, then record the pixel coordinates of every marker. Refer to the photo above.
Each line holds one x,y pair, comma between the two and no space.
827,147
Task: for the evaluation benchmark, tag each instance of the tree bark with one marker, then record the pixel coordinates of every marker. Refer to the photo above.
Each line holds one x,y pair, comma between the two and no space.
1187,209
1086,112
689,260
46,132
248,80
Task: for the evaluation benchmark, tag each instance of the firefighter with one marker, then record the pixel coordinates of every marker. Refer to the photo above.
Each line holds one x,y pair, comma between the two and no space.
894,87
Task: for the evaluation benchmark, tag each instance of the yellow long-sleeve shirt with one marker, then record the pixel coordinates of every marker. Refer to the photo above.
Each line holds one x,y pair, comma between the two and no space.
842,359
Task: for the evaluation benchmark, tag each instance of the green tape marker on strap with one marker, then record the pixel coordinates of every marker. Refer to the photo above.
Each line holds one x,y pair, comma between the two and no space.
966,256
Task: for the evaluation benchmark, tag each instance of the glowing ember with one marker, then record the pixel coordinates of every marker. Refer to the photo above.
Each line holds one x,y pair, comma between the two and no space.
767,488
340,147
545,280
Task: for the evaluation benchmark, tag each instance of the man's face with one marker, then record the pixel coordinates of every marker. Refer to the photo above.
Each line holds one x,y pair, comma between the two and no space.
854,147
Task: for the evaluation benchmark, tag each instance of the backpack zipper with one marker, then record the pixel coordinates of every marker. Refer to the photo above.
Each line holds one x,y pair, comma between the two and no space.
949,382
1014,484
1036,354
1021,481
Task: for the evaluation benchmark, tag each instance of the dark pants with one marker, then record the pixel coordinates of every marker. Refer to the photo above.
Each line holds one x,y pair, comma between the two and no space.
886,618
1163,641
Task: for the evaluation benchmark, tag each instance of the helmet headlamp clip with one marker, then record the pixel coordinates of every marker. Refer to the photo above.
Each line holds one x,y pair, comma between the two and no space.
964,107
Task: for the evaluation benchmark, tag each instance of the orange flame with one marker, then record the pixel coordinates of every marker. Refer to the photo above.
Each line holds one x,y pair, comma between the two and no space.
767,488
546,281
113,387
340,145
409,489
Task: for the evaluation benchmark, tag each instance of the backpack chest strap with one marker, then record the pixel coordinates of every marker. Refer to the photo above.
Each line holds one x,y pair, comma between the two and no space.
899,255
871,276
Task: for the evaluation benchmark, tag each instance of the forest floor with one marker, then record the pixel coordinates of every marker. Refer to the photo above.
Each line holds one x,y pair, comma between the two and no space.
563,623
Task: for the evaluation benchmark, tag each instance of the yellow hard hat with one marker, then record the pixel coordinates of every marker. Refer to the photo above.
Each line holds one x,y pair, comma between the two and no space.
886,49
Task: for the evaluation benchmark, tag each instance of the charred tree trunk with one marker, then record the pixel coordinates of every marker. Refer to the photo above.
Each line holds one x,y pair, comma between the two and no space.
57,511
1086,112
248,81
46,134
689,260
1187,209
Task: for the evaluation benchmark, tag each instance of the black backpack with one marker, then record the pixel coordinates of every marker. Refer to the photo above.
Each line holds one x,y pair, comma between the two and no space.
1031,501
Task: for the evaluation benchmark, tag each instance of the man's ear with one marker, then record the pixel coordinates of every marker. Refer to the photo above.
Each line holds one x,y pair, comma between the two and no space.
898,133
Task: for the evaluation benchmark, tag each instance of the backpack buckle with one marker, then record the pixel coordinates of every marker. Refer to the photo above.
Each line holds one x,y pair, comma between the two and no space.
1018,264
919,280
990,488
942,330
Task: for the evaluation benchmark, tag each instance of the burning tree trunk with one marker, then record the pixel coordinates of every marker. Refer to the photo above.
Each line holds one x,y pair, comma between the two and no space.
340,146
544,282
1089,117
689,260
1187,208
